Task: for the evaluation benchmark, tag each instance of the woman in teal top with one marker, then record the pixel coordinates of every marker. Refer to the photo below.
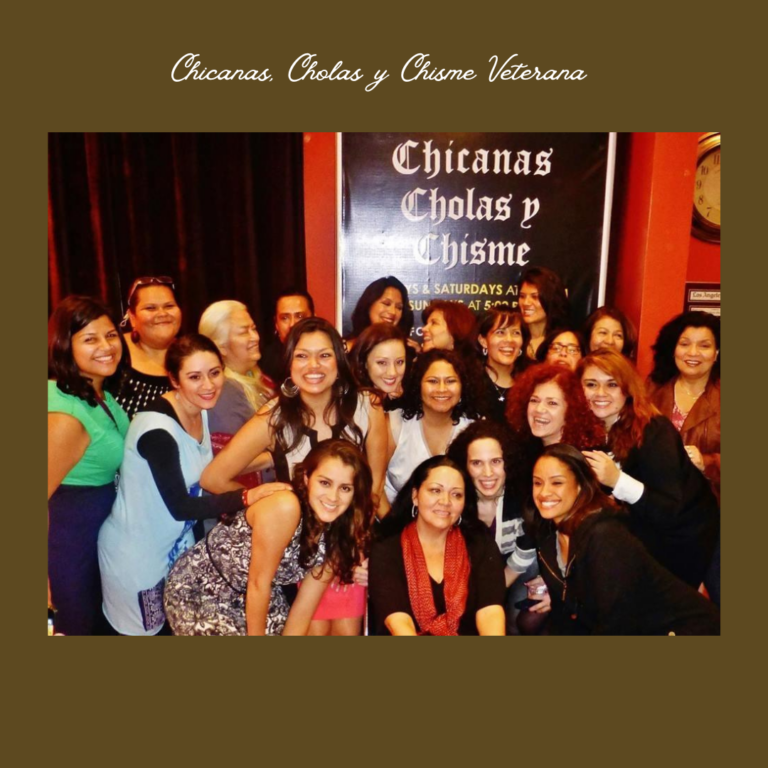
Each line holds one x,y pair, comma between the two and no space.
86,432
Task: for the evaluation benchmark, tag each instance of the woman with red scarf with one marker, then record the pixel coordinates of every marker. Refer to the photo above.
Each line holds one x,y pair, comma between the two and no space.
435,569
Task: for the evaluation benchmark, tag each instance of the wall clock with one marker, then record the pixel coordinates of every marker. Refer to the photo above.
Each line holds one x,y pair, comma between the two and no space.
706,190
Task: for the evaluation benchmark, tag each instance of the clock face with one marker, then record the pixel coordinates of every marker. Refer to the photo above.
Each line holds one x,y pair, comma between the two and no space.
706,194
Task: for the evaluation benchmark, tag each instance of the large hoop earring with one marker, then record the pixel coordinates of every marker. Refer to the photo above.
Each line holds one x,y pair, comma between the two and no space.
289,388
414,511
458,522
485,351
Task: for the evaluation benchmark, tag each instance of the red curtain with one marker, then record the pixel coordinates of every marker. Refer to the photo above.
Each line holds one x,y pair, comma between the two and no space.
221,213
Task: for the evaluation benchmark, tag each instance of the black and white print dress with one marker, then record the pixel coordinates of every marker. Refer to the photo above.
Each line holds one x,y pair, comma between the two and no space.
205,591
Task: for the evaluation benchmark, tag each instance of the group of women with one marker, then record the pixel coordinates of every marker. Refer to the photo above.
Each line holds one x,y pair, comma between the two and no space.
513,475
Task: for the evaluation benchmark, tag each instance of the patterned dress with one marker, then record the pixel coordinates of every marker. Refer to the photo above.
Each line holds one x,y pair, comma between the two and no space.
205,591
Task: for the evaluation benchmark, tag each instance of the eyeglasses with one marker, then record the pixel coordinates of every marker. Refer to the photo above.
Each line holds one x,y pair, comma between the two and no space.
571,349
141,282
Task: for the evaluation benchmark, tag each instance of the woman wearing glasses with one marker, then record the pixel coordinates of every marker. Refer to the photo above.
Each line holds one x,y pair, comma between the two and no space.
155,319
562,347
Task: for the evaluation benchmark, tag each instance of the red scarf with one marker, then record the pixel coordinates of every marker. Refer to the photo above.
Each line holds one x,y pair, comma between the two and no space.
455,581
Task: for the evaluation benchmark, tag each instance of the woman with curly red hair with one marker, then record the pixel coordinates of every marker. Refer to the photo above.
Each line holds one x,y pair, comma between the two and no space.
674,511
547,406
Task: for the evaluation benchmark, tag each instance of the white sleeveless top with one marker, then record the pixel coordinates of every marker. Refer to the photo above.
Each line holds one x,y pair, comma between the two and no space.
411,449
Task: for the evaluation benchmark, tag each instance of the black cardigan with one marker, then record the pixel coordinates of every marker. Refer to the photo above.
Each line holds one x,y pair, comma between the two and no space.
614,587
677,517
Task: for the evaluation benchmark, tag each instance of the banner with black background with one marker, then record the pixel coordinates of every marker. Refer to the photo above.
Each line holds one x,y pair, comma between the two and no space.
459,216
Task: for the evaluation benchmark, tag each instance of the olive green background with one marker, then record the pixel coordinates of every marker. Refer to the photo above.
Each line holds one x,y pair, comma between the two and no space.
107,67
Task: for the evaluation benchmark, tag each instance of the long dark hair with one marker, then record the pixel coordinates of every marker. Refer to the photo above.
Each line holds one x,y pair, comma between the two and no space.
347,538
469,405
70,317
552,296
373,292
292,415
591,498
664,368
402,510
371,337
627,327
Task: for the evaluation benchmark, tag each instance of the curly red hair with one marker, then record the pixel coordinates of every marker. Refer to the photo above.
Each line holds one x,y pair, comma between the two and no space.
582,428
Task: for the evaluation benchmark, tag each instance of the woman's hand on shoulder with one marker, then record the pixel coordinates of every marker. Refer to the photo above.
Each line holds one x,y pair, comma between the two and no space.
266,489
604,467
280,503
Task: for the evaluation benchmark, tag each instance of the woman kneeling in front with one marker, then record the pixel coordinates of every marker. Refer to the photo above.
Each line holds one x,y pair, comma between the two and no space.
600,577
436,569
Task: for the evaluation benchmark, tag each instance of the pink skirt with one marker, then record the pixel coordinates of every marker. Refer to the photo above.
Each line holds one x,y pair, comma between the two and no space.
341,601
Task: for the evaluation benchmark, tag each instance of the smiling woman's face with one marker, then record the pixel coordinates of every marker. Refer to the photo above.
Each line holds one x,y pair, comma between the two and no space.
201,378
555,489
385,365
388,308
157,317
546,412
440,499
485,464
435,333
696,352
313,368
241,351
504,344
330,489
440,388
